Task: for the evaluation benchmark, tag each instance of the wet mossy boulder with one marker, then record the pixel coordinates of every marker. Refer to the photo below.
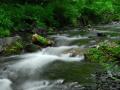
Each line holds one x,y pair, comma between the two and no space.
101,34
41,41
14,48
11,45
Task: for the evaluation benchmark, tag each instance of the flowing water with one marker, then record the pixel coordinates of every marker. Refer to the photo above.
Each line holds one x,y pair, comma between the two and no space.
62,67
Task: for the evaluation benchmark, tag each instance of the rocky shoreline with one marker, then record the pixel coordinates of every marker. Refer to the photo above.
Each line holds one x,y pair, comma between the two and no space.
103,81
16,45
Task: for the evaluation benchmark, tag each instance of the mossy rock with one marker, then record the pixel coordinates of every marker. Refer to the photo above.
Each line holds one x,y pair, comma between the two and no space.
41,41
14,48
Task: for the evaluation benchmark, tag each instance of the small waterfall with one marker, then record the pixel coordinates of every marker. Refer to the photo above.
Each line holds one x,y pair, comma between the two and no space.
28,68
31,63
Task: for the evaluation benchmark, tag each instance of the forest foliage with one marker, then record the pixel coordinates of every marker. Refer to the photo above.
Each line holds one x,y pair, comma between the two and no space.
16,15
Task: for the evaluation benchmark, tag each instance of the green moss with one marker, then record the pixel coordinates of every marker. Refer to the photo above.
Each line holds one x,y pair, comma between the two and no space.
14,48
40,40
113,34
106,51
107,54
4,32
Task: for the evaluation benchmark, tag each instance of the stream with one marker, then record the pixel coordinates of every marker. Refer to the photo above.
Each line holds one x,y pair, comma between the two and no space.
62,67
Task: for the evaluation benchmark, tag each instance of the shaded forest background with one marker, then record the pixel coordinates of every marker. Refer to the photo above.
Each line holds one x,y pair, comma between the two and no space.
17,15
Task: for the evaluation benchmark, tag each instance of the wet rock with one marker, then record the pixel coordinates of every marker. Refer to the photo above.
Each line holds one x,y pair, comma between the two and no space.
104,82
75,52
59,82
73,84
7,41
101,34
1,48
41,31
41,41
115,22
14,48
31,48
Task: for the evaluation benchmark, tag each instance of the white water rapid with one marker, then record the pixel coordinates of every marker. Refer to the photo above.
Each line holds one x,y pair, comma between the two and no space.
29,67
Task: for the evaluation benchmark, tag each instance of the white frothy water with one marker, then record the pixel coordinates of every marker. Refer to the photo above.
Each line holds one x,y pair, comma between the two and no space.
31,64
5,84
69,38
34,62
35,85
41,85
58,50
65,40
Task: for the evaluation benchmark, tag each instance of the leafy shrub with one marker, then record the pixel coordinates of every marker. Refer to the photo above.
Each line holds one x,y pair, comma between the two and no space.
25,14
106,52
4,32
5,23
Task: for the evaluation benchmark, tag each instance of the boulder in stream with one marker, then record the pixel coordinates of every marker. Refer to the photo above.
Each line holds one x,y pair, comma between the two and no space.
7,41
41,41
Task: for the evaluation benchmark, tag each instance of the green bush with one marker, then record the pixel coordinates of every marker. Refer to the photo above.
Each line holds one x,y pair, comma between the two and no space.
106,52
4,32
26,15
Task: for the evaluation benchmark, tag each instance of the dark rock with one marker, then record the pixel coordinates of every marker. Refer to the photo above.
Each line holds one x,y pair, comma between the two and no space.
41,32
31,48
101,34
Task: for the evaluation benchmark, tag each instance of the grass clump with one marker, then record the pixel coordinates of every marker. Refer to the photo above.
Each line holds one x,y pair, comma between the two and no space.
106,53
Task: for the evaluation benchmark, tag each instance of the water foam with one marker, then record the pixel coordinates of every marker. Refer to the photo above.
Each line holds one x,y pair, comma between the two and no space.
35,61
59,37
5,84
35,85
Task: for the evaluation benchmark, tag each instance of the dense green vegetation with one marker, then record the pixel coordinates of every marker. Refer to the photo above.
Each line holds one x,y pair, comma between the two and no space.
107,54
31,14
